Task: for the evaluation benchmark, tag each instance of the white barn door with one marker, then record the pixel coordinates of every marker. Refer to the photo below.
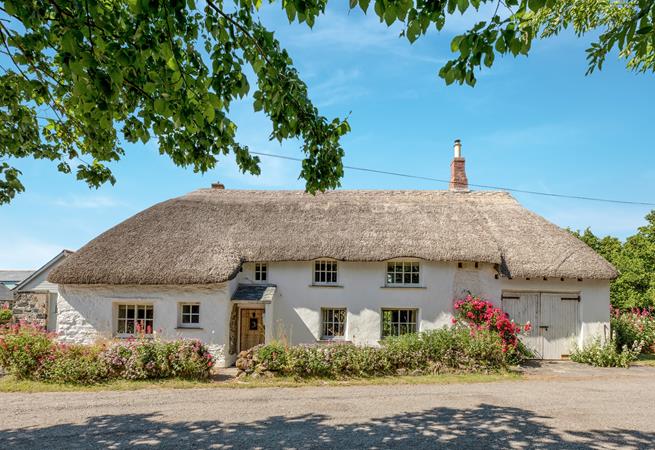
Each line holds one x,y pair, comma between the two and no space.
559,324
554,319
523,308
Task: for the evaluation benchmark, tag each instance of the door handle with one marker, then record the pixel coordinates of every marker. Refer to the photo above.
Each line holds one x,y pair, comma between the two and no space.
543,327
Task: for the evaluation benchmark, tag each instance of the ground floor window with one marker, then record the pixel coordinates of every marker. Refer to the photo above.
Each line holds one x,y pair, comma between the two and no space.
334,323
189,314
396,322
135,318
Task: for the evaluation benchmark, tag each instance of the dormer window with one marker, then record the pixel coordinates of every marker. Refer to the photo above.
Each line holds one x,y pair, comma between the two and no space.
325,272
261,272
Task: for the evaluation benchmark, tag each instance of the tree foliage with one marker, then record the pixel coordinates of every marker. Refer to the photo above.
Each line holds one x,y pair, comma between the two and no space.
635,260
80,77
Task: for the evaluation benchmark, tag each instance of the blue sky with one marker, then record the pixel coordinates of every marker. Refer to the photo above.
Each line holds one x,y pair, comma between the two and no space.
532,123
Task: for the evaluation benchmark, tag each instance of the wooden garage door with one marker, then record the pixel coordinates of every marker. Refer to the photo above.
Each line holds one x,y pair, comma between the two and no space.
554,318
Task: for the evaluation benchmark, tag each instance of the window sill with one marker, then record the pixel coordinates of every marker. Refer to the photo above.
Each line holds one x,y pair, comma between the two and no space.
189,328
403,286
318,285
133,336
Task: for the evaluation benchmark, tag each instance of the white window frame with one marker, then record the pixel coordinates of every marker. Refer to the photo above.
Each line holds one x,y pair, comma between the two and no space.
415,322
181,314
261,269
329,274
408,268
325,323
135,307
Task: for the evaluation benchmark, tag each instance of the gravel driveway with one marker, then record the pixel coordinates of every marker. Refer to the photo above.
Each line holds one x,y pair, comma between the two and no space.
559,406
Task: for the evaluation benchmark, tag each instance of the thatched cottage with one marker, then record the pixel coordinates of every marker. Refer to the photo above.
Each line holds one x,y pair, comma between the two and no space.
235,268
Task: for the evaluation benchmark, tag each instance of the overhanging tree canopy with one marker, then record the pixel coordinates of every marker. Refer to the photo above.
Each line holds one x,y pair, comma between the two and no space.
78,77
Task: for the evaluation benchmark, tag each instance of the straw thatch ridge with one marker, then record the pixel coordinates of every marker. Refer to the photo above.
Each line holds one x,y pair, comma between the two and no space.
204,236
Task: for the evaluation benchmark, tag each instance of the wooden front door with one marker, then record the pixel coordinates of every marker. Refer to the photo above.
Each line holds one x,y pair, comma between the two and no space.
252,328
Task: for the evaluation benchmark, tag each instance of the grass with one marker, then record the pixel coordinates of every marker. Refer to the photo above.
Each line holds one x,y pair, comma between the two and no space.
646,360
10,384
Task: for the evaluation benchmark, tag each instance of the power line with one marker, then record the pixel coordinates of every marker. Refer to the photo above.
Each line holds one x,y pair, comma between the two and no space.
482,186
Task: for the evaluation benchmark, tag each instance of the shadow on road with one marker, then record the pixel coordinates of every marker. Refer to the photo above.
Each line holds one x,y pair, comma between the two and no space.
485,426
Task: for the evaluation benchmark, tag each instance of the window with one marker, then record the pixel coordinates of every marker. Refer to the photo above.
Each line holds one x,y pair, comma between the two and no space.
260,272
325,272
396,322
403,273
189,314
334,323
134,318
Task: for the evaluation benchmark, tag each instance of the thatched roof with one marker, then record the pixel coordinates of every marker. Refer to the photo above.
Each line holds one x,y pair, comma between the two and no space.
204,236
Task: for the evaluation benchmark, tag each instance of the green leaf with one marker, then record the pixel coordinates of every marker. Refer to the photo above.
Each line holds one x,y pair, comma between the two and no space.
536,5
210,112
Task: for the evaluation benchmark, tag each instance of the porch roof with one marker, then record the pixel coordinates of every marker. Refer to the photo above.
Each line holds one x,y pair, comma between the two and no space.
254,292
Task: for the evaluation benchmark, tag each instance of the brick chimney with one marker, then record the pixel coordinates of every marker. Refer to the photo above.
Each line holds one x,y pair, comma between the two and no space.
458,180
218,185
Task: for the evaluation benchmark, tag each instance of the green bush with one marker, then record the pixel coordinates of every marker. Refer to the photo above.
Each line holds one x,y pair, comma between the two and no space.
598,354
448,349
29,352
336,361
272,356
5,315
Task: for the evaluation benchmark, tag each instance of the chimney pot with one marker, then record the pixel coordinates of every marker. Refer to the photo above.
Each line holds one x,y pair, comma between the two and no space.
458,148
458,180
218,185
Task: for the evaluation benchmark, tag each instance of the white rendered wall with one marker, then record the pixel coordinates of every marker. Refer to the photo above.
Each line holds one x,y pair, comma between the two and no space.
297,305
88,312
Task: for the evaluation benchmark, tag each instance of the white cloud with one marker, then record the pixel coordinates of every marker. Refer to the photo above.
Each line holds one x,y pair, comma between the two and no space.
352,33
340,87
88,202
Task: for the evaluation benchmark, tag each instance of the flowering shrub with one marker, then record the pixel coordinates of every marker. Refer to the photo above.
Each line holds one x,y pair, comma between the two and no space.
5,314
76,363
29,352
23,347
634,325
608,354
481,314
141,359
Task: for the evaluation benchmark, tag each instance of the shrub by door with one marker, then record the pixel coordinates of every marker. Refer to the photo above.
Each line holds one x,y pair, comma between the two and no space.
554,318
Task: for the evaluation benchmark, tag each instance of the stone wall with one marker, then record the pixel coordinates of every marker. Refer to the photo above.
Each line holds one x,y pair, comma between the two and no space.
32,307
